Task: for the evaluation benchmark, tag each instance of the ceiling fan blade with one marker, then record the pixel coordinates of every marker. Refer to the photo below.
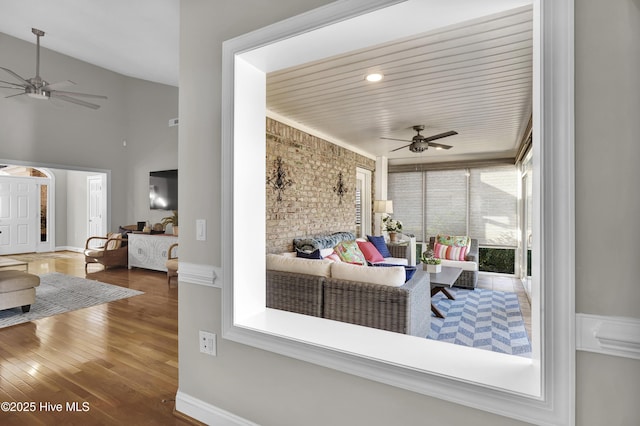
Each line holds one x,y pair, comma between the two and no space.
8,87
439,145
61,84
392,139
398,149
17,94
16,76
55,95
59,93
440,136
13,84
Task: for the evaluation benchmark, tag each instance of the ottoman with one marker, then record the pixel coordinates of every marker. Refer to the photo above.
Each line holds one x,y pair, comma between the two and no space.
17,288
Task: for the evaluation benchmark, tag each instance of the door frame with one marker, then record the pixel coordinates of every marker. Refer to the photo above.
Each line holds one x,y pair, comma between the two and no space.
103,214
365,200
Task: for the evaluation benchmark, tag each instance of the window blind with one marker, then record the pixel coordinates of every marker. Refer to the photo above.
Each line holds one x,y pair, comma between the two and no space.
480,202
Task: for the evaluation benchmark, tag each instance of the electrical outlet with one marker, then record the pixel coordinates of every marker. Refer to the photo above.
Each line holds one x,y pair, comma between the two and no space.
207,343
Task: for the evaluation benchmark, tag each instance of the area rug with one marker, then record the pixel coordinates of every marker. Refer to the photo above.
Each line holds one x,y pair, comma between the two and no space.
34,257
59,293
482,319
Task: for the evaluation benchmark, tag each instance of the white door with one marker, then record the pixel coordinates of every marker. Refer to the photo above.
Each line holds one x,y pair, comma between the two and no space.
96,206
18,215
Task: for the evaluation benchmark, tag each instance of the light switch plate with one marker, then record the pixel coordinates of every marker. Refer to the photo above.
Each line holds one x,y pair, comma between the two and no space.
201,230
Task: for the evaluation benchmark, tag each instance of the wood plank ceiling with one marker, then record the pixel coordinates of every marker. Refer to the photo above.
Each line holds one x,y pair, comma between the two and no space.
474,78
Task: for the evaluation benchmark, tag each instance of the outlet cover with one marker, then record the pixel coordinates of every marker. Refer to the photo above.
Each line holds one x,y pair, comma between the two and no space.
207,343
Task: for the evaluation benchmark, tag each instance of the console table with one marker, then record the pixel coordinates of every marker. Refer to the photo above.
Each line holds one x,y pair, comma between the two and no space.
149,251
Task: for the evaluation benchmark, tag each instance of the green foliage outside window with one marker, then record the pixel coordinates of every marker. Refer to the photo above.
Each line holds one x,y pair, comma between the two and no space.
497,260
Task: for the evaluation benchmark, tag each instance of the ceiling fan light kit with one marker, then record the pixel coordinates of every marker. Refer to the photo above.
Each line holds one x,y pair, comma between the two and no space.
37,88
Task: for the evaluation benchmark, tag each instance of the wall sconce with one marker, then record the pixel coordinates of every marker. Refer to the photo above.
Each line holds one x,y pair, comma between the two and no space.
278,179
340,188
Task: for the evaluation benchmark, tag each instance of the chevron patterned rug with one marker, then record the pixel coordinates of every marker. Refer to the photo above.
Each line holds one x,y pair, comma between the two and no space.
481,319
59,293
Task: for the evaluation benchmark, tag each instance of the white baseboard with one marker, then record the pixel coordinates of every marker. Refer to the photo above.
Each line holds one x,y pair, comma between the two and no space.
207,413
617,336
199,274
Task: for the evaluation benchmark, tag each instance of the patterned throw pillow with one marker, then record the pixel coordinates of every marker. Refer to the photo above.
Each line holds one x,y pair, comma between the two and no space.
441,251
334,256
350,253
453,240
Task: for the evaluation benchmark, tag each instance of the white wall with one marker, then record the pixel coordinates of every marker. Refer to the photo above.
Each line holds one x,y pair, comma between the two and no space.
67,136
273,390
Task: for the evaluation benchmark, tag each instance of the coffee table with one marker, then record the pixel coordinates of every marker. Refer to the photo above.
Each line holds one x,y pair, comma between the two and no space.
440,281
7,262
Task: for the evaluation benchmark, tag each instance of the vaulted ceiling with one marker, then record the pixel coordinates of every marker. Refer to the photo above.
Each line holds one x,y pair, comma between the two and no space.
474,77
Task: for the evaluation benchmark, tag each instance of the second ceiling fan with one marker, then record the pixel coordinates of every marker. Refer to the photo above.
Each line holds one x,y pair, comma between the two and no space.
420,143
37,88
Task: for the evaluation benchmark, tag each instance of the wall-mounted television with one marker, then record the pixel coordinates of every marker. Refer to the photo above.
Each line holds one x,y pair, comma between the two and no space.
163,190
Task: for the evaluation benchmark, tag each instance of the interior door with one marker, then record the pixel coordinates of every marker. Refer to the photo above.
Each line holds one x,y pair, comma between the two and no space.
19,228
96,206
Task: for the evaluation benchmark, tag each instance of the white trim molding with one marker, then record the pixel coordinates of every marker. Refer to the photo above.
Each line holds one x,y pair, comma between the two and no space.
199,274
207,413
617,336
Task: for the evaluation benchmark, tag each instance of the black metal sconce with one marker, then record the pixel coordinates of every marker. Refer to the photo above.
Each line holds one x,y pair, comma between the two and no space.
340,188
278,179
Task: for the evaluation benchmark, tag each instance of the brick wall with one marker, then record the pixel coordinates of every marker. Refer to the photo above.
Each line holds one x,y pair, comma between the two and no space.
310,206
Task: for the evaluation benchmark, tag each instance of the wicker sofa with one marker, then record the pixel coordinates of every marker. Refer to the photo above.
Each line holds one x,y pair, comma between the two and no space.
469,276
319,288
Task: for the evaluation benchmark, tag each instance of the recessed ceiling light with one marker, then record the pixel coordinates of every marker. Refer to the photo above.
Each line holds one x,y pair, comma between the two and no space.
374,77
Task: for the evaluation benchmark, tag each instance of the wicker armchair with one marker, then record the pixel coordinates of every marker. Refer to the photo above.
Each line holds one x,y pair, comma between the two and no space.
172,262
467,279
107,251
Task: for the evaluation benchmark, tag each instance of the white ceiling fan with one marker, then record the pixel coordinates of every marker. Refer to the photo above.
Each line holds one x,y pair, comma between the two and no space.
38,88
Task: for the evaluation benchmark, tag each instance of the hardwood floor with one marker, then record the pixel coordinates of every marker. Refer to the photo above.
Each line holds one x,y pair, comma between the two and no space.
118,361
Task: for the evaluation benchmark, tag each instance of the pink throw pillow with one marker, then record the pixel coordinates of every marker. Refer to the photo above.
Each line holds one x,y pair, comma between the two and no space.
450,252
370,251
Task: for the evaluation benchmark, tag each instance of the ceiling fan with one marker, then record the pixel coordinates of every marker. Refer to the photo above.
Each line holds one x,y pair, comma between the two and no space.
421,143
37,88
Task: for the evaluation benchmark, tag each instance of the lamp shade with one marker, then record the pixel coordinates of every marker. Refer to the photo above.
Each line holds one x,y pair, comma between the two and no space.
383,206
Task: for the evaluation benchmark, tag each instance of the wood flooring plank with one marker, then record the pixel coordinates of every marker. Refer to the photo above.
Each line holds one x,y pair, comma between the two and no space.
118,358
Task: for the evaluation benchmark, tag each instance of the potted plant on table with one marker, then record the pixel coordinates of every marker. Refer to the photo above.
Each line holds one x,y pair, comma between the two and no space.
431,264
173,220
392,226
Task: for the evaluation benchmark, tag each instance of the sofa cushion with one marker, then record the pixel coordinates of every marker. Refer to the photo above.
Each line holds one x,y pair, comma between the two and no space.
296,264
350,253
398,261
408,270
393,276
370,251
466,265
442,251
378,241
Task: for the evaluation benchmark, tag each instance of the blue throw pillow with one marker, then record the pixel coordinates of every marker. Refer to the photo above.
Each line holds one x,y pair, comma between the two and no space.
378,241
408,270
308,254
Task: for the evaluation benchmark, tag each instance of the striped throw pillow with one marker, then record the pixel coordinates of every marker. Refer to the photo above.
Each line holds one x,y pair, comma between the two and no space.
450,252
